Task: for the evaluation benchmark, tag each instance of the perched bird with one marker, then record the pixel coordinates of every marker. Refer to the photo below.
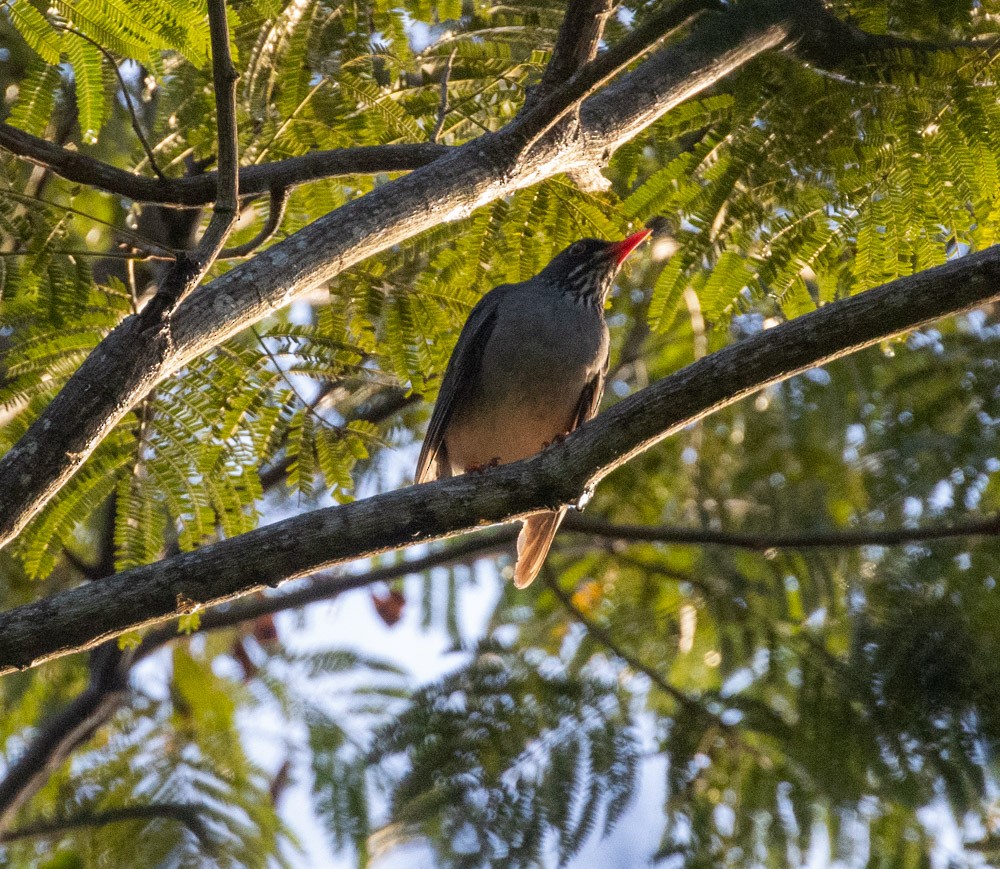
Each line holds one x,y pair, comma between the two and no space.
528,368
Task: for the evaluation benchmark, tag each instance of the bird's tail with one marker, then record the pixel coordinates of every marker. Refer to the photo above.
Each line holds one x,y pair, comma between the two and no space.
533,545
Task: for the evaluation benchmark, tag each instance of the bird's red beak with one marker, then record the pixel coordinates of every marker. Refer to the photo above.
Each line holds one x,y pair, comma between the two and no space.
623,248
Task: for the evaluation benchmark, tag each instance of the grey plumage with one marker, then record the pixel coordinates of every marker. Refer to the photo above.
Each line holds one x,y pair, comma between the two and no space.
529,366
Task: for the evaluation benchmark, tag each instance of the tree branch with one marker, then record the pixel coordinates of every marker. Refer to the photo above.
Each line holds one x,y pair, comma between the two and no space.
133,358
576,44
74,725
225,211
107,691
442,111
534,123
198,190
181,812
190,268
82,617
277,203
57,737
764,542
480,545
324,588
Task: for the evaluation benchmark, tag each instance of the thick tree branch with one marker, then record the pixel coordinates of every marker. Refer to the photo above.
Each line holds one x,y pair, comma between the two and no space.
132,359
74,725
198,190
107,692
82,617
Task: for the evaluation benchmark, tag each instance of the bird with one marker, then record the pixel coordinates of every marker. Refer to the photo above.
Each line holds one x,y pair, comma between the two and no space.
528,368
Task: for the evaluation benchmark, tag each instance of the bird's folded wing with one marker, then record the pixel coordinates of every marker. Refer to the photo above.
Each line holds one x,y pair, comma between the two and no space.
590,398
460,376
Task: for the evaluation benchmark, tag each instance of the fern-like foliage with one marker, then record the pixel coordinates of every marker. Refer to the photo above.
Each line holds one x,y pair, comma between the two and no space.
506,751
828,186
820,698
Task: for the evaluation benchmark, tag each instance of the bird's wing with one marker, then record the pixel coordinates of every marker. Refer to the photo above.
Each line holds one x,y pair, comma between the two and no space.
590,398
461,373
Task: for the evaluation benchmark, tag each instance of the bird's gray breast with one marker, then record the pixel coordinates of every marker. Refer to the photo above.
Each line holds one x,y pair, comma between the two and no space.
542,352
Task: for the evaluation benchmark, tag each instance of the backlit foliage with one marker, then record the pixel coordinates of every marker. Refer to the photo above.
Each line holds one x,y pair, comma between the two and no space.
821,698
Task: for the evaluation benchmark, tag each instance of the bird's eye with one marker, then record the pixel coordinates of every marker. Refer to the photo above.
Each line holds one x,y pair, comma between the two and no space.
577,248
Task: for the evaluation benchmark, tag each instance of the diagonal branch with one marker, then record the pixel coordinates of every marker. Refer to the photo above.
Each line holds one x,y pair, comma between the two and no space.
82,617
56,738
126,95
80,719
63,733
576,44
605,639
133,358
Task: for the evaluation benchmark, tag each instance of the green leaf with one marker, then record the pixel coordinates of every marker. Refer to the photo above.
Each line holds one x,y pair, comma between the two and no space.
86,60
35,99
35,29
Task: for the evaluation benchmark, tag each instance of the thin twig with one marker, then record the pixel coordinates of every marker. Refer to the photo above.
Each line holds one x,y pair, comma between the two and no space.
136,126
376,410
308,406
604,638
190,268
329,585
138,241
442,111
764,542
275,214
227,202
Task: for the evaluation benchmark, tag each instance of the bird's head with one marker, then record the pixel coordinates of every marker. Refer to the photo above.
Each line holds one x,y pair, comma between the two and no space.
586,269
